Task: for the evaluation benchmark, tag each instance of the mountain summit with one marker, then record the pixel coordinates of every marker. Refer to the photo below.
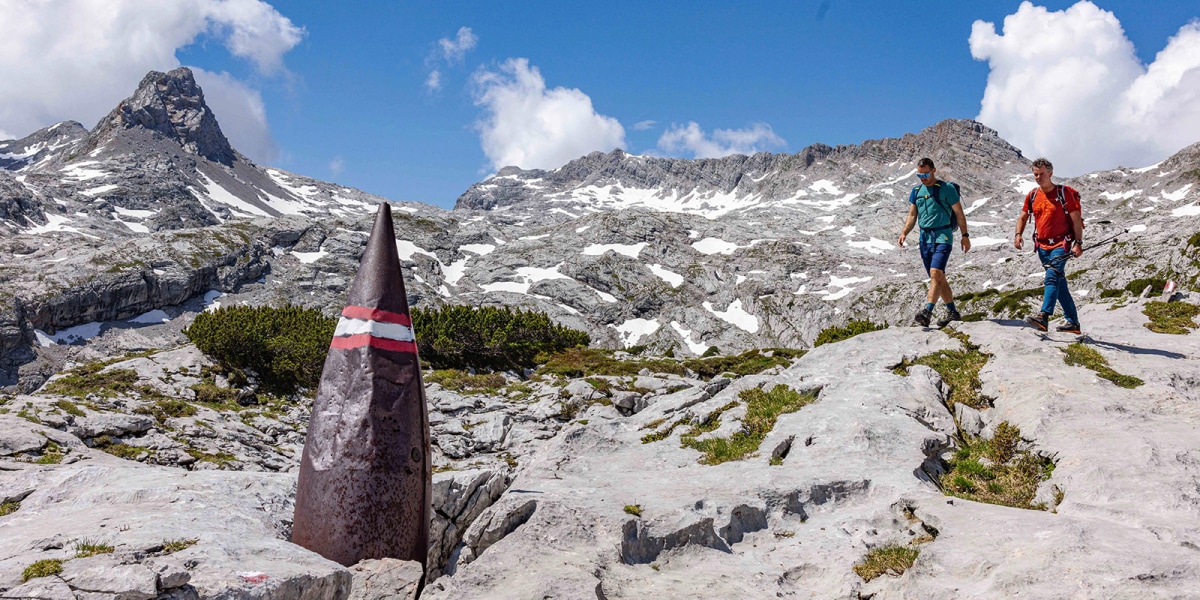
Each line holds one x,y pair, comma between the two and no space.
170,104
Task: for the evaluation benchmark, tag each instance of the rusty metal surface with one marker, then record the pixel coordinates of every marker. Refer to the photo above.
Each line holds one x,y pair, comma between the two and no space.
366,477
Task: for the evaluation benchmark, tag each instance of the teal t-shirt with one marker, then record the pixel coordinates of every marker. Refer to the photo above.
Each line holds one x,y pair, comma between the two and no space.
940,198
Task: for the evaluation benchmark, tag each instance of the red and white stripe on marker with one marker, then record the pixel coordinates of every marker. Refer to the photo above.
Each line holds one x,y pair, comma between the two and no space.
361,326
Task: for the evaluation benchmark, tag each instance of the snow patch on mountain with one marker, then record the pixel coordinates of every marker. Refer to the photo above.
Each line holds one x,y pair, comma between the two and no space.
735,315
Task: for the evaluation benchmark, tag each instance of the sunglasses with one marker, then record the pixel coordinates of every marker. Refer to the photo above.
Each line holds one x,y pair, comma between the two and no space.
923,175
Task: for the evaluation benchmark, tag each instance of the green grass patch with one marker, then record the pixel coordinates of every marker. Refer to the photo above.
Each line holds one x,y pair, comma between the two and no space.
996,471
887,560
8,508
1013,303
115,448
210,394
1078,354
28,416
1112,293
746,363
847,331
762,411
596,362
42,568
69,407
1156,284
92,379
959,370
633,509
586,362
166,409
87,547
970,296
461,381
52,454
661,434
1175,318
173,546
221,459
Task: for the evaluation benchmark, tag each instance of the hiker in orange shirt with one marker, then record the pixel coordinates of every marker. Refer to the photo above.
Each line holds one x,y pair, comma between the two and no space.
1058,235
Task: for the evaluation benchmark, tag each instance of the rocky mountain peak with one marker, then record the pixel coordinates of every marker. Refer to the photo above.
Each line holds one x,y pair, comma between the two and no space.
172,105
18,154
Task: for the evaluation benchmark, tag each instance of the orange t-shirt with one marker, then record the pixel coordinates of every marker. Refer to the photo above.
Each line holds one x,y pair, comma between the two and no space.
1048,215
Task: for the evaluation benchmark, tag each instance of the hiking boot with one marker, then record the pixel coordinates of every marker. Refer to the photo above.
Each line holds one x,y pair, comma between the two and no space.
1040,320
1068,327
923,317
951,316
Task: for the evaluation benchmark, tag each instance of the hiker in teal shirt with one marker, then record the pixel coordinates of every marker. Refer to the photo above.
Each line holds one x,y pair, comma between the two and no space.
935,206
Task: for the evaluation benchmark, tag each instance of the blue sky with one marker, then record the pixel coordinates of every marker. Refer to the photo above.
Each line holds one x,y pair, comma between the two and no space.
344,87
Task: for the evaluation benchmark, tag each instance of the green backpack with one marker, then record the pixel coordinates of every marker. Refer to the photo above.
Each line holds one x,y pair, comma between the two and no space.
932,212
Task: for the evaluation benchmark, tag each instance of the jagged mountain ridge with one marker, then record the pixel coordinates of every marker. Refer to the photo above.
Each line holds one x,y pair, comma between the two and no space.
739,252
971,154
157,161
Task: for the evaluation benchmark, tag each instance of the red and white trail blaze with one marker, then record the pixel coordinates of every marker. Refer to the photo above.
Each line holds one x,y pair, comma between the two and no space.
361,326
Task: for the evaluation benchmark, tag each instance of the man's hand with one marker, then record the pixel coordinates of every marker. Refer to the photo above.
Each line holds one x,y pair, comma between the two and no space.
1018,242
1077,249
901,242
966,244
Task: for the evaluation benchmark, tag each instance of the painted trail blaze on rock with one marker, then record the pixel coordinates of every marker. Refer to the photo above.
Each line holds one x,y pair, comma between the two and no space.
365,477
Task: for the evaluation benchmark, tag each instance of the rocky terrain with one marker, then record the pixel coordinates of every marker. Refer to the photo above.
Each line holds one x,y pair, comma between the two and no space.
567,488
114,464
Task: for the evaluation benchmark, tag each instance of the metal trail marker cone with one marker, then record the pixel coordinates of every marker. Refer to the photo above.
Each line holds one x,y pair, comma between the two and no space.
365,476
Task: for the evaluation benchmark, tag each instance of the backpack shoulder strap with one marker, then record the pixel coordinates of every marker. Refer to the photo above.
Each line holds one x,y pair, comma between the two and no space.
1029,200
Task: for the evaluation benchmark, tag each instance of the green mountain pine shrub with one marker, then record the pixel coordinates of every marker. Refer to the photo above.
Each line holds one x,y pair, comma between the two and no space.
500,339
285,346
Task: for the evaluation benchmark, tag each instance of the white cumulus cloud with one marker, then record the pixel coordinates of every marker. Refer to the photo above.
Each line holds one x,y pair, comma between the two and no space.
76,59
434,81
450,52
1069,86
529,126
691,139
453,50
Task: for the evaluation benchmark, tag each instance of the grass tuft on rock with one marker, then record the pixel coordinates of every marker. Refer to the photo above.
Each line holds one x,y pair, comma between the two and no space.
1078,354
166,409
1176,318
599,362
8,508
849,330
173,546
87,547
633,509
762,411
221,459
996,471
93,379
959,370
461,381
886,560
42,568
116,448
69,407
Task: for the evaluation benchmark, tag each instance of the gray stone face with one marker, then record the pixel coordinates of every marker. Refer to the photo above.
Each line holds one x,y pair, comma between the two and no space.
385,579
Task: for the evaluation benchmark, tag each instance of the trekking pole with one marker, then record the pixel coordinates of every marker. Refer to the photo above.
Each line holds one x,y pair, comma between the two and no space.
1107,240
